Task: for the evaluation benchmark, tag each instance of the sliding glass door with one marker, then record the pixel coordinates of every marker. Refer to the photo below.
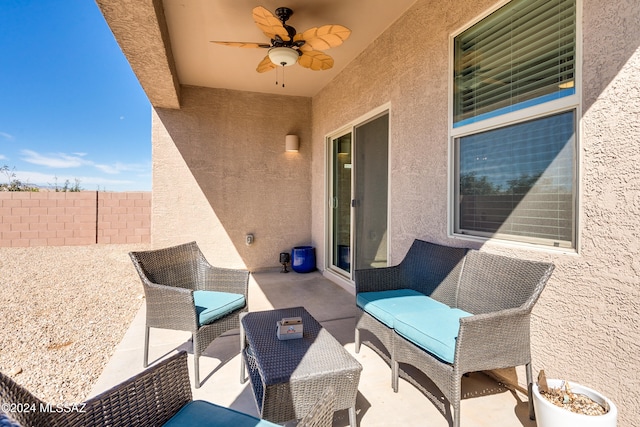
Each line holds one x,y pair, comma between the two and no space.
371,193
358,193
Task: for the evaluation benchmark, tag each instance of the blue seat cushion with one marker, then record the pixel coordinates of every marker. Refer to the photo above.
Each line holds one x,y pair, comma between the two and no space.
211,305
204,414
433,330
5,421
386,305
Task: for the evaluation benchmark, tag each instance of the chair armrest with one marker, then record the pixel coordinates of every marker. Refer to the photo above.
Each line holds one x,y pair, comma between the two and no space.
170,307
28,413
494,340
224,280
150,398
377,279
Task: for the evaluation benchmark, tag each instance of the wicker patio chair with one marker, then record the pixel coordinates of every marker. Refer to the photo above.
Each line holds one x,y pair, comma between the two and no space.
158,396
500,292
497,292
428,268
184,292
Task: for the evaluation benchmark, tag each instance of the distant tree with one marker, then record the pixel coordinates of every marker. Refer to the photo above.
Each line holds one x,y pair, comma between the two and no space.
67,186
13,183
471,185
522,184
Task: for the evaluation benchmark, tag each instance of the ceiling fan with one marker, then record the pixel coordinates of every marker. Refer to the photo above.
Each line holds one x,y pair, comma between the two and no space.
287,46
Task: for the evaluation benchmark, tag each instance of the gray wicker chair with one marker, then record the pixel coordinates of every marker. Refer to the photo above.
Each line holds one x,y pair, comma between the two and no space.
151,399
170,278
498,291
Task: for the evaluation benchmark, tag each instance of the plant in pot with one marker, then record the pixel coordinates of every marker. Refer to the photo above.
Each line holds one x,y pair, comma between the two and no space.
560,403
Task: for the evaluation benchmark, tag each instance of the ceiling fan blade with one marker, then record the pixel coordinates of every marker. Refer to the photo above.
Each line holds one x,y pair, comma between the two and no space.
269,24
315,60
243,44
325,37
265,65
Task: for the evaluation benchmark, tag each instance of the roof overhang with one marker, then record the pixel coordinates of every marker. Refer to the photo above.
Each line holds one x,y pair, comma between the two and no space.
168,42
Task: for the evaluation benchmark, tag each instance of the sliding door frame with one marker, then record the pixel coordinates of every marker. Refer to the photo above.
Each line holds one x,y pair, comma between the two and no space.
339,276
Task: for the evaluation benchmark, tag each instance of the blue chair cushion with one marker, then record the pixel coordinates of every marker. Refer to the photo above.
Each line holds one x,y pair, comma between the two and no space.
5,421
211,305
386,305
205,414
433,330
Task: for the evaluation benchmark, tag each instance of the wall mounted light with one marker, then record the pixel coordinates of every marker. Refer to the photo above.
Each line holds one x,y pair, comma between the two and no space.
284,259
344,147
292,143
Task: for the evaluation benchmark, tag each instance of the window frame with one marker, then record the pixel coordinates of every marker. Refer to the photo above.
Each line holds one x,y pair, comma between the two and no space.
568,103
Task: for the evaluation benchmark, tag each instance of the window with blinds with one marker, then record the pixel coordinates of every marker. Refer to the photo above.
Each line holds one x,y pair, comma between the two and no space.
517,182
521,55
515,175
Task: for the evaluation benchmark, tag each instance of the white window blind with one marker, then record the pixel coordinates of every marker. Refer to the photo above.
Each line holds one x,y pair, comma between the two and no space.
522,54
517,182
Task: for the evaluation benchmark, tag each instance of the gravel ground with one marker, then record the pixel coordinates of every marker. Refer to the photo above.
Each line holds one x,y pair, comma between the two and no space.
64,310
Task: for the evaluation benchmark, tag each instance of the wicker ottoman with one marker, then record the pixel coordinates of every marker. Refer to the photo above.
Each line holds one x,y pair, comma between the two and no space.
288,376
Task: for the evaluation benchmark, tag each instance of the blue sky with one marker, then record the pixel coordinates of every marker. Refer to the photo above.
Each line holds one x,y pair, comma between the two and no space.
70,105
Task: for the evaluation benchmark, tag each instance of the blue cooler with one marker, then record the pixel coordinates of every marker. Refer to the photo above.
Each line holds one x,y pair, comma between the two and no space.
303,259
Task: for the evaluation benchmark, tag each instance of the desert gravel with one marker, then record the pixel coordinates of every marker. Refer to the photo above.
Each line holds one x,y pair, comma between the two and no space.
64,310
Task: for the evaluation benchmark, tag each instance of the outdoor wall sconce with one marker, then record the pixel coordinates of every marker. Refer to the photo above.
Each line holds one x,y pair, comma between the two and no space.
291,143
284,259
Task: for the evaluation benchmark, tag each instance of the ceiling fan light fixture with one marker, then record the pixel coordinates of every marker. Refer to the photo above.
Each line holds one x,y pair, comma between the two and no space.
284,56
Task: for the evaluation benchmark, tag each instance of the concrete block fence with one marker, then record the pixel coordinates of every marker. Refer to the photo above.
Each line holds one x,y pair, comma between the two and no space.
74,218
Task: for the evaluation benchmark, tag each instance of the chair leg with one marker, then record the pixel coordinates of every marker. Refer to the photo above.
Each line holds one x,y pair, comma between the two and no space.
394,375
353,421
532,414
457,398
145,362
196,361
243,345
357,340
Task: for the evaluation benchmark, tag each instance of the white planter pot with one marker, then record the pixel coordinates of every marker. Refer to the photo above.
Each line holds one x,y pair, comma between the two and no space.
550,415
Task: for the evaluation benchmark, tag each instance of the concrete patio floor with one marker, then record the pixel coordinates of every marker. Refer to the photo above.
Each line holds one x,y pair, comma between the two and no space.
485,401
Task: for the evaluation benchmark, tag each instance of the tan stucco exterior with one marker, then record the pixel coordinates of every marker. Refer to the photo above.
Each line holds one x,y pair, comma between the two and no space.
141,30
220,172
585,326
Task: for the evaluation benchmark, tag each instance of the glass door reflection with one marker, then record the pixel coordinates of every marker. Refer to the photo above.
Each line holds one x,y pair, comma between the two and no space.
341,202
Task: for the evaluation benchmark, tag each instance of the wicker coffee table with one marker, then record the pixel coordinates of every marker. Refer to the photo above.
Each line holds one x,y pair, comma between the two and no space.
288,376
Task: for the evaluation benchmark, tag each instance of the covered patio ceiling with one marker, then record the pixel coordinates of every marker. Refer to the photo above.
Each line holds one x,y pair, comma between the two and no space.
168,42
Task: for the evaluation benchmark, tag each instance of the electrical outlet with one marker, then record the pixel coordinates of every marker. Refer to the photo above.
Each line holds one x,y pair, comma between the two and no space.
249,239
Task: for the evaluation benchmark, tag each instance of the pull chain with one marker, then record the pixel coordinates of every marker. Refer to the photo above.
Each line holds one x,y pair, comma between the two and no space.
283,65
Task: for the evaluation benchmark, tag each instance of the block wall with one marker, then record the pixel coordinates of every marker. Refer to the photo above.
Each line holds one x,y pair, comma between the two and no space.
74,218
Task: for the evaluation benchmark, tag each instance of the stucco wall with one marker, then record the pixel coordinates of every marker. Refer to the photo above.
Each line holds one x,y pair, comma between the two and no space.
586,325
220,172
412,77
